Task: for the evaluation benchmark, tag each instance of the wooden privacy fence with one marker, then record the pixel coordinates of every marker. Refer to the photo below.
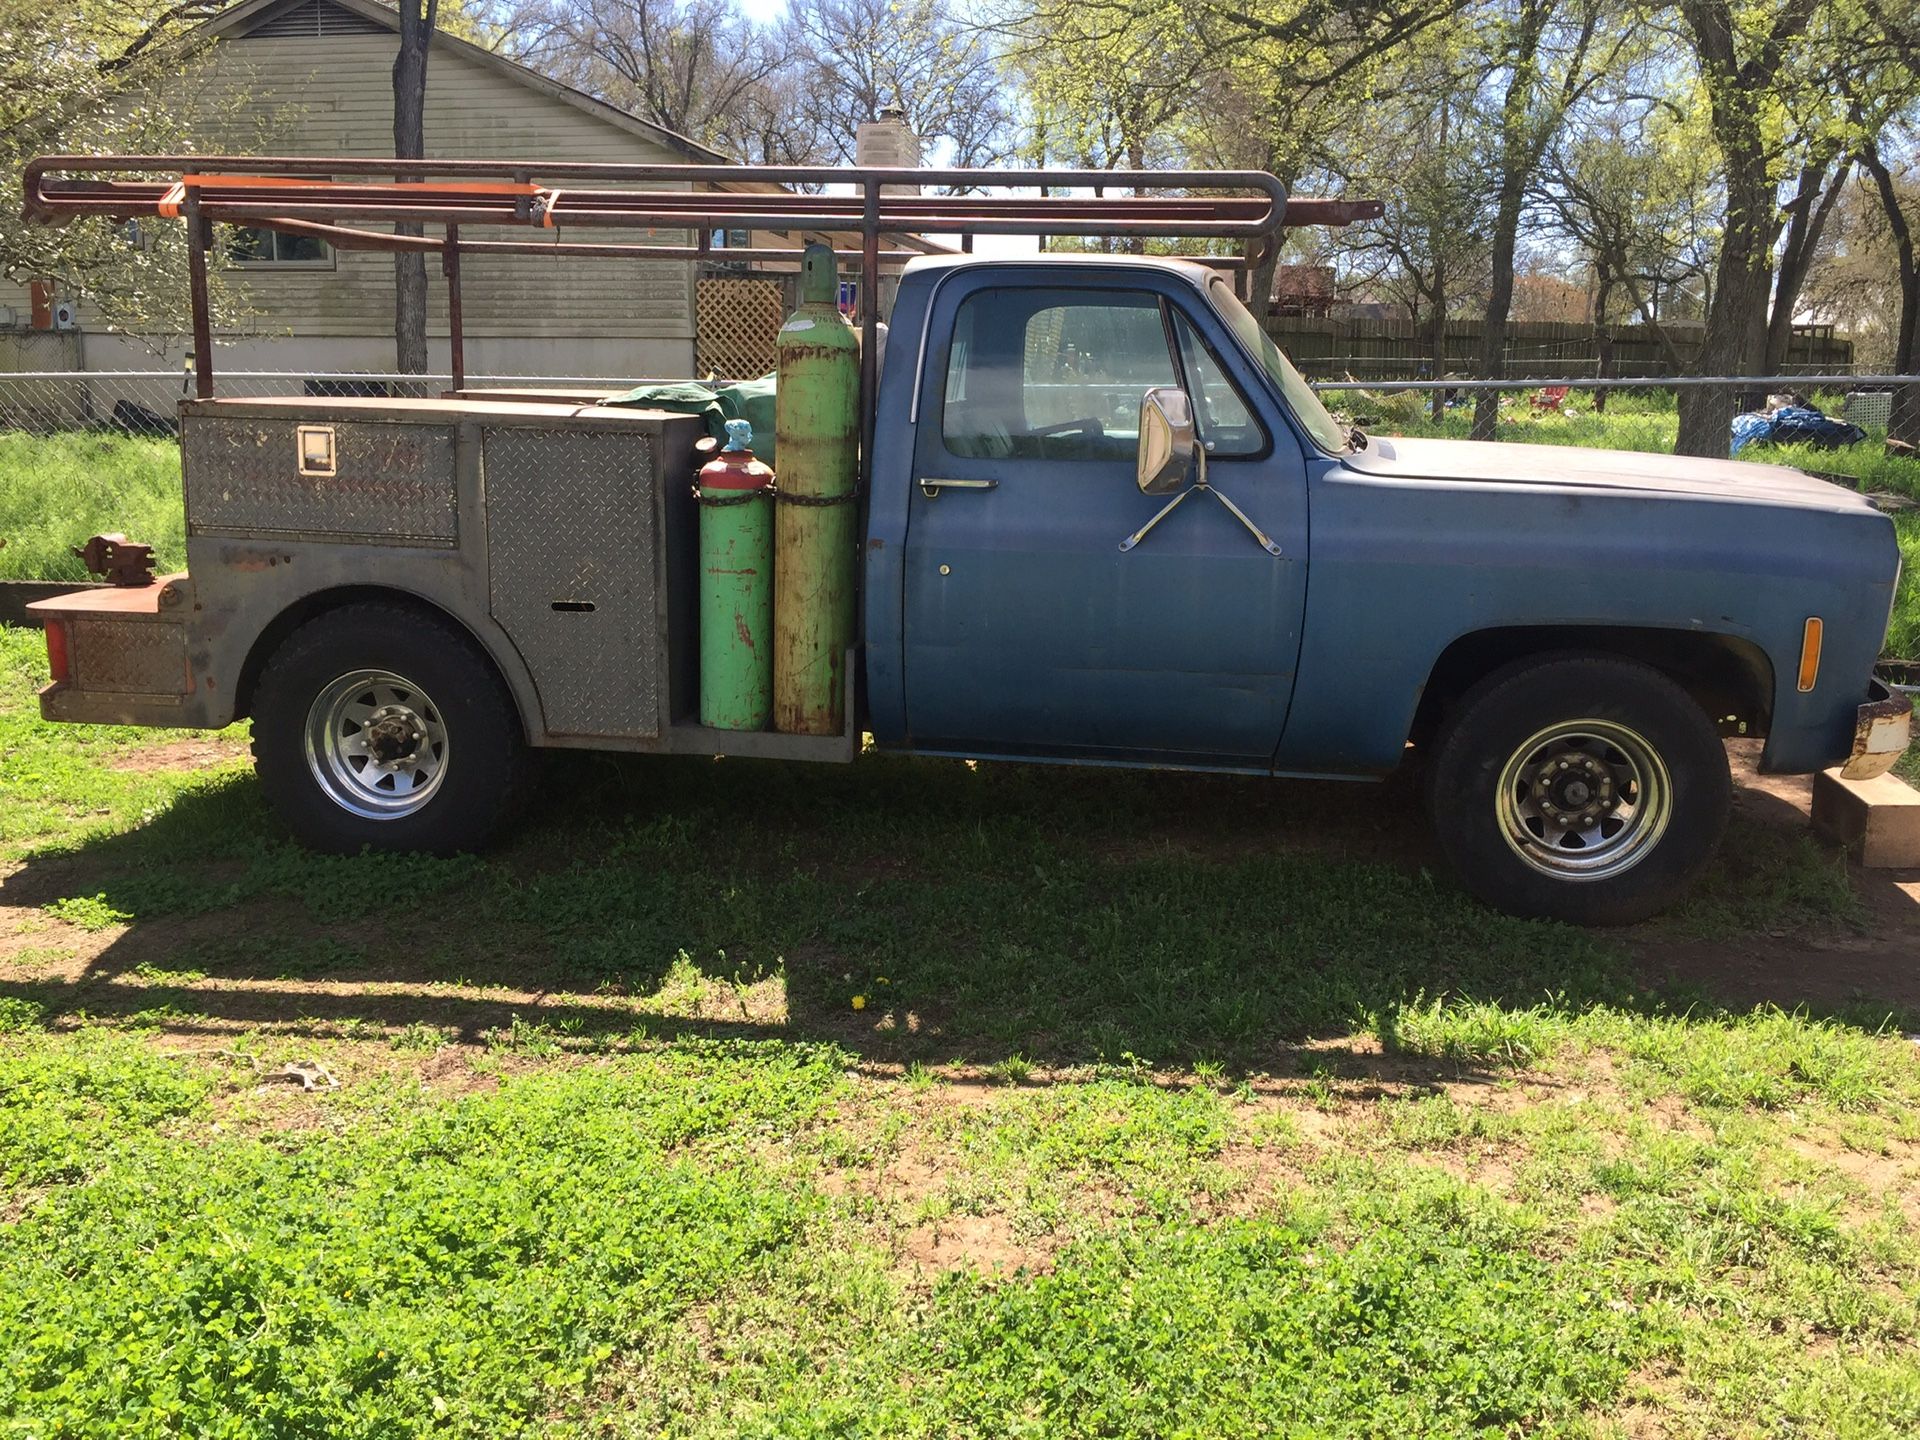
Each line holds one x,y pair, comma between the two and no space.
1332,348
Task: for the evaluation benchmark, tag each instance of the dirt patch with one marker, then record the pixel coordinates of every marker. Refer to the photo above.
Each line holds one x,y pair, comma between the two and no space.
1881,1175
175,755
57,950
1261,1174
1880,967
976,1242
450,1069
1824,968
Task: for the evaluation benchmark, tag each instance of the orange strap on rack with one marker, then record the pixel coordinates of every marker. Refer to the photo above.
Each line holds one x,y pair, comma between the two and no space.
301,182
168,207
546,211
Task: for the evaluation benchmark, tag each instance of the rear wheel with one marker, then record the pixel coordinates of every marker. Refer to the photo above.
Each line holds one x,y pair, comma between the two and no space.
1582,788
380,725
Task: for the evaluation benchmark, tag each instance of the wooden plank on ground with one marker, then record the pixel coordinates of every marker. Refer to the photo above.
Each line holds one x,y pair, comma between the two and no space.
16,595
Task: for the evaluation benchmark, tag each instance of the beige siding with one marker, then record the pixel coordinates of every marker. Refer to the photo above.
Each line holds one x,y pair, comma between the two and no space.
335,96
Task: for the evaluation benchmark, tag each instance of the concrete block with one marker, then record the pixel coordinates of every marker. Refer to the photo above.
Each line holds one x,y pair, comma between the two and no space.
1877,820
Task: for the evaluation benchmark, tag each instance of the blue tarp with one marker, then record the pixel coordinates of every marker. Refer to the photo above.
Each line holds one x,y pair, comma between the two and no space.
1794,425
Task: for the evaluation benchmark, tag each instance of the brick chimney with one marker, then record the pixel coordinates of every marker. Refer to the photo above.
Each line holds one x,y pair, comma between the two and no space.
887,144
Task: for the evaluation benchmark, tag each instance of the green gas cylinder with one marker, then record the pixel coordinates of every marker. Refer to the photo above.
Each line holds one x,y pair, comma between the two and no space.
735,493
817,431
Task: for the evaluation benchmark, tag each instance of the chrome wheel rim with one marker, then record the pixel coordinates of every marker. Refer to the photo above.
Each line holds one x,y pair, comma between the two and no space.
376,744
1584,800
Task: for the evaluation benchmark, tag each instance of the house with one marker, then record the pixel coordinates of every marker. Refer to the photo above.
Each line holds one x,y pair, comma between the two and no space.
314,77
1302,290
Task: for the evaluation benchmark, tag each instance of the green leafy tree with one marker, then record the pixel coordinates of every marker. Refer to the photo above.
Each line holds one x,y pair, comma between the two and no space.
103,78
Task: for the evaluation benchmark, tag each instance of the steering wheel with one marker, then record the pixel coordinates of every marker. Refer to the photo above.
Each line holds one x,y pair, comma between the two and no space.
1092,425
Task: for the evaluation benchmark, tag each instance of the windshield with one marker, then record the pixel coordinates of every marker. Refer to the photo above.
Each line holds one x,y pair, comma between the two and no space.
1327,432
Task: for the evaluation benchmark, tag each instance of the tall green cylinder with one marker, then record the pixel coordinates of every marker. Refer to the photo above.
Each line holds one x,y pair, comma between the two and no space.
817,436
736,586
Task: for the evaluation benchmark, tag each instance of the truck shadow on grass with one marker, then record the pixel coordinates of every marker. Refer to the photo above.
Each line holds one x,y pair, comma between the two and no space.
909,910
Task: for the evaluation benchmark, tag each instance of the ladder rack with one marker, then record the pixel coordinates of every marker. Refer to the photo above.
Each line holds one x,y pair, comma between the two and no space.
307,195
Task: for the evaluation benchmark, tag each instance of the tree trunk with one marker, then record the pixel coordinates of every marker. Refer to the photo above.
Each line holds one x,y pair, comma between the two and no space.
1811,208
1903,424
1493,345
1437,338
410,143
1517,158
1735,342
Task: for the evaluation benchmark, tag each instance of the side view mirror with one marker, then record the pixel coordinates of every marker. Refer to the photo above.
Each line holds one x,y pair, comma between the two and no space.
1168,446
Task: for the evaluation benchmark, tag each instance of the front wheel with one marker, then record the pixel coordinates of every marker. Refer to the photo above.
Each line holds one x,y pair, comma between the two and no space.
1586,788
379,725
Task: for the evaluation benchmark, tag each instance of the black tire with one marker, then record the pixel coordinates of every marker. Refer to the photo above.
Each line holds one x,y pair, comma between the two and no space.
1617,720
471,749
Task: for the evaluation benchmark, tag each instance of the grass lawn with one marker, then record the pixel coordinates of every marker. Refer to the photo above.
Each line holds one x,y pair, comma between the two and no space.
920,1099
56,490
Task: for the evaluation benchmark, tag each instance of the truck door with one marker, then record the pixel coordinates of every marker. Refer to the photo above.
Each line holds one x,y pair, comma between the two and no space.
1028,628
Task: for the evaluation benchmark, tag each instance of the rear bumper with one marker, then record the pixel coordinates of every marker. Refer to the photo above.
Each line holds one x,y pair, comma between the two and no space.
1882,729
126,653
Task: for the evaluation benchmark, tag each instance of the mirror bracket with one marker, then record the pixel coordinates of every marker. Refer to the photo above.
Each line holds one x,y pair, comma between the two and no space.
1202,487
1169,448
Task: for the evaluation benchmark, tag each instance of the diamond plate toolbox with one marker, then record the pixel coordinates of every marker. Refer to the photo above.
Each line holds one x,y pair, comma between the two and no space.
383,483
572,560
130,657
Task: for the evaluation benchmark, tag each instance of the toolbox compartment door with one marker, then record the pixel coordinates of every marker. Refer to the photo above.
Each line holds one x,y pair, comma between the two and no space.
573,552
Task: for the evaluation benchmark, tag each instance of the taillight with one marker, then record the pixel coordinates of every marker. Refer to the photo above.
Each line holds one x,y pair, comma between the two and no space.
58,661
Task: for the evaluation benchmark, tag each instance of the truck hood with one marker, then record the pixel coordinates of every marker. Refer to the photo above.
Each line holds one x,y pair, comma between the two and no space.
1396,457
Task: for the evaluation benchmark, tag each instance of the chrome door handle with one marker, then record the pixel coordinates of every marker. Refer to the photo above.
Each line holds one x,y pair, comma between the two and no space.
933,485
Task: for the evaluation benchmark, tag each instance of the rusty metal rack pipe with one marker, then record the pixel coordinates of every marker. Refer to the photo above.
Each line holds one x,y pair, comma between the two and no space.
306,195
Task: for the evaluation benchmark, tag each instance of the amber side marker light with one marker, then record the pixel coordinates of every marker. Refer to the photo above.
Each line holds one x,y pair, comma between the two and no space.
57,662
1810,653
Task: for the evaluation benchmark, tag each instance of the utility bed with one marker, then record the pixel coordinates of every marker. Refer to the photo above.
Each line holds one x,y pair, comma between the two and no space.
561,534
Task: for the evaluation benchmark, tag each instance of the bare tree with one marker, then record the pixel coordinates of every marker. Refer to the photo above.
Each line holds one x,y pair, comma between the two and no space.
859,57
695,67
1904,423
1547,51
410,143
1822,178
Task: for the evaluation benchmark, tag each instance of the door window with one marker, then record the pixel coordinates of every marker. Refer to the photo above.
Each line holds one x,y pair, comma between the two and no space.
1053,374
1049,374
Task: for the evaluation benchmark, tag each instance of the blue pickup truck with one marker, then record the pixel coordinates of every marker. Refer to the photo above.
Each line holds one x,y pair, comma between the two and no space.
1107,523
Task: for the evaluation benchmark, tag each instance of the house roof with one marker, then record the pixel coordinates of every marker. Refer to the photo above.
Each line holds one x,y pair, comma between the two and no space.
249,15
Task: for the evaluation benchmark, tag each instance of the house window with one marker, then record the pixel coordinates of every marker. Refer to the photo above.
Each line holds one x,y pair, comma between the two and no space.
253,249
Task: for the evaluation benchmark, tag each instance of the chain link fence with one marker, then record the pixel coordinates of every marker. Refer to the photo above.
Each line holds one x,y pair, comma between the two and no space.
1841,415
68,466
1832,425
